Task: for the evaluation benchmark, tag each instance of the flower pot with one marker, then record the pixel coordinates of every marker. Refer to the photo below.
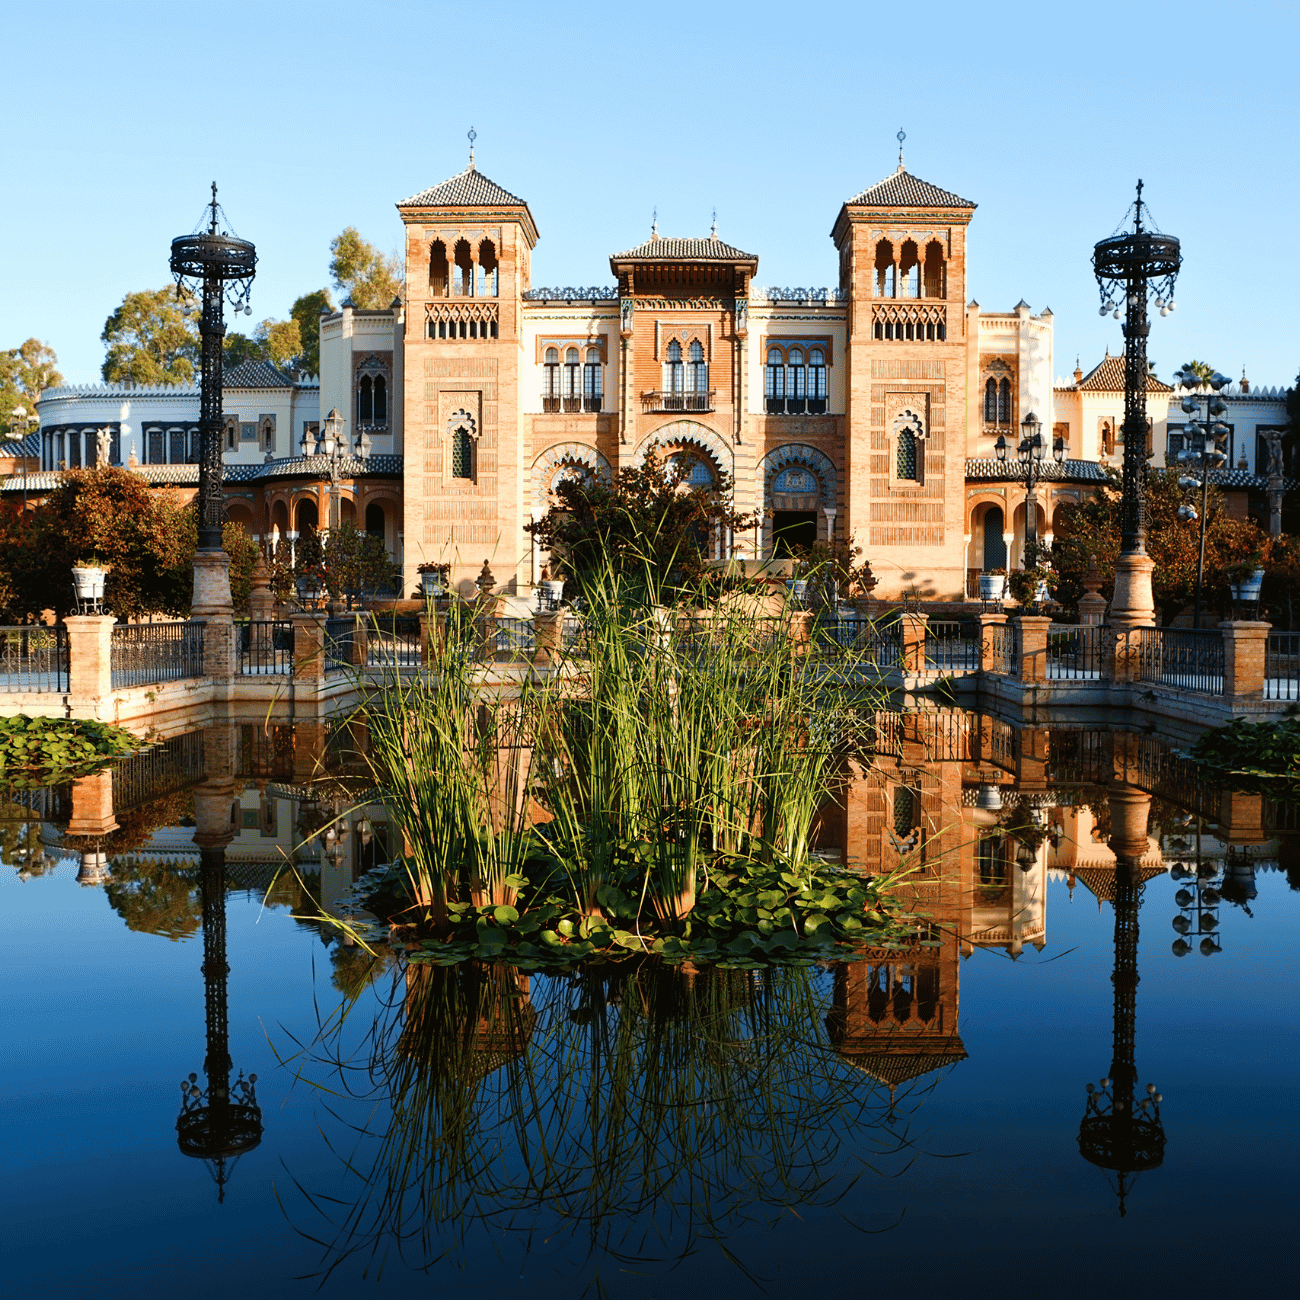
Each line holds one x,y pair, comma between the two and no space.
1247,590
88,584
553,591
993,586
431,585
798,589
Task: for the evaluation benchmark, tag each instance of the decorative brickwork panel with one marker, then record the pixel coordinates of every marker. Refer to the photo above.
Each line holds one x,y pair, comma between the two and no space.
906,537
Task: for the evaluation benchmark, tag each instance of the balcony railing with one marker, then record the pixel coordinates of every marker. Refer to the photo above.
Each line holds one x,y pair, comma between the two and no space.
571,405
1184,657
796,406
34,659
144,654
661,401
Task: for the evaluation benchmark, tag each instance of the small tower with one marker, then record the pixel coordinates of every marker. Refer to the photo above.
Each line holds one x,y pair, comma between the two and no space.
468,249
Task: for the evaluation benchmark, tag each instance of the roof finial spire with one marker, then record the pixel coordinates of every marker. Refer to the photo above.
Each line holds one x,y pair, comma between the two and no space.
473,135
654,224
713,233
902,135
212,228
1138,222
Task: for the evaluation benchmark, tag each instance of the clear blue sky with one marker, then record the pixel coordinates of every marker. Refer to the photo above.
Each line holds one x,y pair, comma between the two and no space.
323,114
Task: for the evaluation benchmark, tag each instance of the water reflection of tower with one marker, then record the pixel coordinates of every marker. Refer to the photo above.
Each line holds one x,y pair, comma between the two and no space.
222,1121
1118,1132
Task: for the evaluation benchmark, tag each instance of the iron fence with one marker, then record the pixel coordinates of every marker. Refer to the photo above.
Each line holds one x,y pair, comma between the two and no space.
340,643
880,641
144,654
34,659
163,769
1075,652
952,644
393,641
1282,666
1002,649
265,647
514,636
1187,658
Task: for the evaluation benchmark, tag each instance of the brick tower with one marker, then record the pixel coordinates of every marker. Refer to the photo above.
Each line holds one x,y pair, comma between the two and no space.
468,249
902,246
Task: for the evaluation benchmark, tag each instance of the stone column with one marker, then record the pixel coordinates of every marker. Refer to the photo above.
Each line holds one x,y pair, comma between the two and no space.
1030,631
90,661
220,649
1244,647
546,636
1133,604
987,623
261,601
914,626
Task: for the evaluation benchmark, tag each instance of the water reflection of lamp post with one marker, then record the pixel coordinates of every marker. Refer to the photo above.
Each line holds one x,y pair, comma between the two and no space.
221,1122
1118,1132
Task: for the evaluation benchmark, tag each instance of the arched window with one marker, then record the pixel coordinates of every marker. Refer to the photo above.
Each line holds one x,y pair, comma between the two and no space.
906,455
572,388
489,274
381,400
551,381
699,373
591,381
796,382
774,381
884,269
816,382
794,481
695,471
464,284
462,448
375,519
934,287
910,269
365,400
674,372
438,269
991,402
1004,402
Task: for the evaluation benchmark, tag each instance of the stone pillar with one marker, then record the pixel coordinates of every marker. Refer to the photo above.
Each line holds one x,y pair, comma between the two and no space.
1030,631
914,626
308,648
801,631
92,805
90,660
360,640
220,648
211,585
987,623
433,633
1244,647
546,636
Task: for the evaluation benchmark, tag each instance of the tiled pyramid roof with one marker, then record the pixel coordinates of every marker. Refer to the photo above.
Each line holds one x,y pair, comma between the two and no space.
1108,377
684,250
903,190
255,374
470,188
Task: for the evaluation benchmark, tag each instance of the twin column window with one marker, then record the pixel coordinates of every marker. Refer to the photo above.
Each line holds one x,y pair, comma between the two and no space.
795,382
574,383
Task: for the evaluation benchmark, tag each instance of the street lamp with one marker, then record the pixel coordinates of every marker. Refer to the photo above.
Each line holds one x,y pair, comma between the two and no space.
19,417
1203,439
333,446
1030,457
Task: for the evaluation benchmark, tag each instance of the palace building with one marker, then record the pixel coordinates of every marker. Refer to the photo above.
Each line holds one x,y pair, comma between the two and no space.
868,410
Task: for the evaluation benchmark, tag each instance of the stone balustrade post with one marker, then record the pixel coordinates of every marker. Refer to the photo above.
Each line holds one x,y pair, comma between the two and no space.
1030,631
308,648
546,636
90,660
914,629
988,664
801,621
1244,648
220,646
360,639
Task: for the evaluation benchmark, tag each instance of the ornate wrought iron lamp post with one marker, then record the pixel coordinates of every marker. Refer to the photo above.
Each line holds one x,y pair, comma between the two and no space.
1119,1132
1129,266
1030,457
1204,445
333,446
217,265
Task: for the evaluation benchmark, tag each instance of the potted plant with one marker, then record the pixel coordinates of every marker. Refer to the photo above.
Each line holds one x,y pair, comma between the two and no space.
552,589
88,579
993,584
1245,578
1032,586
433,579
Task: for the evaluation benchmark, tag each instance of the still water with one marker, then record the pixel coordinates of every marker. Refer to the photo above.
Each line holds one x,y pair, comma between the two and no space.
917,1117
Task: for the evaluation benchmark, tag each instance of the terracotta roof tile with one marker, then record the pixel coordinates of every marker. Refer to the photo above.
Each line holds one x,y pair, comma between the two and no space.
470,189
903,190
1108,377
684,250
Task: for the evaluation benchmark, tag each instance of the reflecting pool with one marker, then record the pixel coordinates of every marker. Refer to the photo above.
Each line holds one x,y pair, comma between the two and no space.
1080,1074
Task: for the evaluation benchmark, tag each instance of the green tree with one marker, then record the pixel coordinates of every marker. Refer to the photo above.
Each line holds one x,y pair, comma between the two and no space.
25,373
307,312
362,273
150,339
354,562
1203,369
281,341
648,523
238,348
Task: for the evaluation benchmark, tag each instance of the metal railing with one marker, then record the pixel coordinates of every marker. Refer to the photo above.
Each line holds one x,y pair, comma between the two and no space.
34,659
393,641
1282,666
265,647
795,405
1184,657
951,644
144,654
879,640
661,401
340,643
1002,649
1075,652
514,636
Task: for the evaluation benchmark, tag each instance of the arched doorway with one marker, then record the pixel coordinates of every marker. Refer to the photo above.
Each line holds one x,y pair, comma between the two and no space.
795,493
308,520
995,547
375,522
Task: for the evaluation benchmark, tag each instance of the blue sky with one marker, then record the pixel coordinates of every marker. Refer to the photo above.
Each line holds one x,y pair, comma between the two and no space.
324,114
